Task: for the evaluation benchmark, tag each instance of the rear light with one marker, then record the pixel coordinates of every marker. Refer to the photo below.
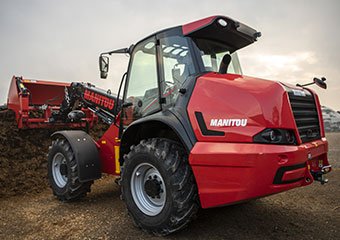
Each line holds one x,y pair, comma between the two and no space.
276,136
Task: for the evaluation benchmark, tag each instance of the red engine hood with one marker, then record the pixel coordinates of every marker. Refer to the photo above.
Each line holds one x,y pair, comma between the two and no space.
239,106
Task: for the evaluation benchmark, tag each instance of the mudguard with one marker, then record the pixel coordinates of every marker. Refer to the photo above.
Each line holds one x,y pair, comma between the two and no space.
167,118
85,152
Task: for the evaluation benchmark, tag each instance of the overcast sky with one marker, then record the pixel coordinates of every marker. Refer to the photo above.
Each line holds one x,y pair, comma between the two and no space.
61,40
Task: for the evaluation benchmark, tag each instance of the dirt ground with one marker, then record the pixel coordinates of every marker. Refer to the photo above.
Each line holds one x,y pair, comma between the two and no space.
28,209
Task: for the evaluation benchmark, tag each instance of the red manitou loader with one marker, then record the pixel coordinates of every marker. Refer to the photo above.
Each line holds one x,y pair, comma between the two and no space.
188,130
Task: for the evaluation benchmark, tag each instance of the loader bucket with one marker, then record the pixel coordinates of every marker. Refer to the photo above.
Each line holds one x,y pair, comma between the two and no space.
34,102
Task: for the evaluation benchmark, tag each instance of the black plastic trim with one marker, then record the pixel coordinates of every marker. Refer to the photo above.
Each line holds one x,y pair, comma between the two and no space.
205,131
167,118
282,170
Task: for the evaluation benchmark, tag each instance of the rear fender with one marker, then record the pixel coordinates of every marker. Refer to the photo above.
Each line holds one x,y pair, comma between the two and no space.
85,151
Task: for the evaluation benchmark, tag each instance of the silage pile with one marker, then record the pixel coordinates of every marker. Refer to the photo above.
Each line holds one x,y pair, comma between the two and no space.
23,160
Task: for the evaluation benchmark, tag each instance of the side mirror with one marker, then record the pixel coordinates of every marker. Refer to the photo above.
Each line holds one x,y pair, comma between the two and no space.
320,82
103,66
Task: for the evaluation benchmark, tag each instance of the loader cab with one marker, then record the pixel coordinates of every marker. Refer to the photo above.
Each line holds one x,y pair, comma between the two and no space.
163,62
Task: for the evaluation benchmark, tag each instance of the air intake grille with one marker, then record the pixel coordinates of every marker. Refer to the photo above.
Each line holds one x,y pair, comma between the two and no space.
305,114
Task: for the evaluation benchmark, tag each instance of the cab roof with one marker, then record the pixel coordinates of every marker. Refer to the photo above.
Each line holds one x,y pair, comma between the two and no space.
218,28
222,29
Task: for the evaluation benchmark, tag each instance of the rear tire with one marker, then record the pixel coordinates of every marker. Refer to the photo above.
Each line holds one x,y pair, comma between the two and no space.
63,172
158,186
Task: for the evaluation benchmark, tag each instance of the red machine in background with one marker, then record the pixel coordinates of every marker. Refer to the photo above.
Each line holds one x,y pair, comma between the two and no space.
44,104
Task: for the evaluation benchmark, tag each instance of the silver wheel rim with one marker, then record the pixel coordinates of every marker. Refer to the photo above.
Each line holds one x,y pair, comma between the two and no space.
59,162
150,206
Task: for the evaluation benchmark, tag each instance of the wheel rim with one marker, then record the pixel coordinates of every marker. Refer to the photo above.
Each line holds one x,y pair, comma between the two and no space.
59,170
148,189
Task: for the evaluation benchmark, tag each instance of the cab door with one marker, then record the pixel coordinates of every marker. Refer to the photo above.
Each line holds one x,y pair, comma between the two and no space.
142,93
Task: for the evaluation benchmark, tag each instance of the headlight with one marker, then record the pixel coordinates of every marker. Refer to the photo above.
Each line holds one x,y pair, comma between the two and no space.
276,136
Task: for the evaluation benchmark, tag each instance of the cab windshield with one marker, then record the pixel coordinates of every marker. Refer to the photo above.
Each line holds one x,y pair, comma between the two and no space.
212,53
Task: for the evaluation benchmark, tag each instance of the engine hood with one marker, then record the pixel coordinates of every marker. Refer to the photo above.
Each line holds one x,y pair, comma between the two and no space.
234,108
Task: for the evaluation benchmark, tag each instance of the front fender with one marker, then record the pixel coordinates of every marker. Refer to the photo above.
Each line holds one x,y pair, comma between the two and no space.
166,119
85,152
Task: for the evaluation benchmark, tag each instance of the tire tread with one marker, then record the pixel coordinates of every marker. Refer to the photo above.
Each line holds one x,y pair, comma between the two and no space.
183,185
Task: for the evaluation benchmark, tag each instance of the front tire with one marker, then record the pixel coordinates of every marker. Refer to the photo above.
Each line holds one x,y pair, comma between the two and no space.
63,172
158,186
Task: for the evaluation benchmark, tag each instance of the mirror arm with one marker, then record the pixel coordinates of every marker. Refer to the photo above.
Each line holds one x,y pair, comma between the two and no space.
122,50
304,85
319,82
